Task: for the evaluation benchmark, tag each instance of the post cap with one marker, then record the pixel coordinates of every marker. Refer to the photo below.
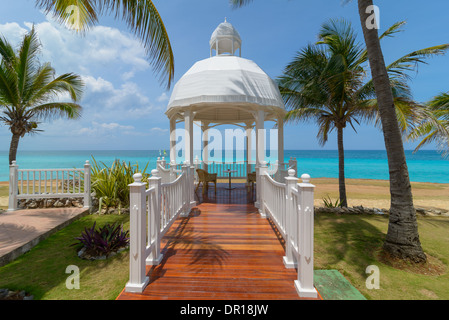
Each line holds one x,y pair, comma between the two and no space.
291,172
137,177
305,178
154,173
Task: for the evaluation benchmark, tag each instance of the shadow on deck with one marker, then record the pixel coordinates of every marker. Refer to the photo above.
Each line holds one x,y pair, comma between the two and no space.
223,250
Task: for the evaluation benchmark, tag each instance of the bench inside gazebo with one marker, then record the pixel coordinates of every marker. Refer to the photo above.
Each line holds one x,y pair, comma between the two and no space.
231,243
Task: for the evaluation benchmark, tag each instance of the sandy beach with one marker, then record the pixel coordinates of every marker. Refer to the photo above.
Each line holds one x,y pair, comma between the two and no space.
360,192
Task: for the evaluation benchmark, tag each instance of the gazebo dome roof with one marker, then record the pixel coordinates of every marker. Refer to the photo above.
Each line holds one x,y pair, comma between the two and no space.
226,89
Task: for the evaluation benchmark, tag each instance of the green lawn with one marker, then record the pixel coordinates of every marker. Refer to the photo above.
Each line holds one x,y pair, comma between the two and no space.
41,271
346,243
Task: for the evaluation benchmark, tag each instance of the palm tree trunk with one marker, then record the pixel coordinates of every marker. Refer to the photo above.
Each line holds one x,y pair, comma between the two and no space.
402,238
13,147
341,168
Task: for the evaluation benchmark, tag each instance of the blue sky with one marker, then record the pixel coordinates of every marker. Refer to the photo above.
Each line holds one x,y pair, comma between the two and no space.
124,103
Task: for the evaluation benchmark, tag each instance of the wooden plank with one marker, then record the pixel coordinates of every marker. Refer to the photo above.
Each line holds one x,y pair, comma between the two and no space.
224,250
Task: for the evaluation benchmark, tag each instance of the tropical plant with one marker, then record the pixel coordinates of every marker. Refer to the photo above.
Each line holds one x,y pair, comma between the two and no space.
327,83
28,90
110,183
142,18
102,241
329,203
434,125
402,240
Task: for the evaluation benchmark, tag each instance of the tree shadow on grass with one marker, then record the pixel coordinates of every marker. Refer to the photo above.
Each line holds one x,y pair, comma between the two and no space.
347,238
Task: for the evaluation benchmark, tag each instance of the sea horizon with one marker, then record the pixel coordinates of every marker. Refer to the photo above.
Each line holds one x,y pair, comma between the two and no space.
424,165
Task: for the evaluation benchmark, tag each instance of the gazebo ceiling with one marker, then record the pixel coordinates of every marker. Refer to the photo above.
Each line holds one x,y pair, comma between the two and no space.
226,89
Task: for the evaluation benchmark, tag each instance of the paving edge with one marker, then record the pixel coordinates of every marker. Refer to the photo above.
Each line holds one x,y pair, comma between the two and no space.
14,254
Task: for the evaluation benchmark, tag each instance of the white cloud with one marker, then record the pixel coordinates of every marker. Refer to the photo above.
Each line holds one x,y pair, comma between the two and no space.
163,97
115,106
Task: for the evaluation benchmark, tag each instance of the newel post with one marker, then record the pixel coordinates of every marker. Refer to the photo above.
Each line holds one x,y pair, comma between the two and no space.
154,220
87,186
137,231
186,190
192,186
291,182
304,284
173,166
263,171
13,186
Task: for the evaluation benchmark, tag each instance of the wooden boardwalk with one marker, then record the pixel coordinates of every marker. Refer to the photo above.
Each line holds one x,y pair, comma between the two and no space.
223,251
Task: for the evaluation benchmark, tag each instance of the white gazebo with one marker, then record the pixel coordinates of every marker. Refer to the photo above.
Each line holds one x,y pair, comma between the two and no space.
226,89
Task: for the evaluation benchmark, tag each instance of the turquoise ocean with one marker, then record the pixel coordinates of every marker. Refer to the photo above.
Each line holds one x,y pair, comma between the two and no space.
424,166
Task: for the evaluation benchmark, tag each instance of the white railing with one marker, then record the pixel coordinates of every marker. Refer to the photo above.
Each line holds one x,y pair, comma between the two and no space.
240,169
290,206
152,212
48,183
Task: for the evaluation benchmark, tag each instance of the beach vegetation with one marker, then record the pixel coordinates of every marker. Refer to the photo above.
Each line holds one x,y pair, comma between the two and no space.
29,90
111,183
329,203
102,241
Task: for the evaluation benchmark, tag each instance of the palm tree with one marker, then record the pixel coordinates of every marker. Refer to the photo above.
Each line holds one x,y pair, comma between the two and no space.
402,240
28,90
141,17
326,82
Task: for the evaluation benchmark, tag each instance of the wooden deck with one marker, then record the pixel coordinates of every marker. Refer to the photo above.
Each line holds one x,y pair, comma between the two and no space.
223,251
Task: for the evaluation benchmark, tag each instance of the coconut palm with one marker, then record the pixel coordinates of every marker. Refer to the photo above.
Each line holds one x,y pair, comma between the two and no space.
29,90
326,83
142,18
402,239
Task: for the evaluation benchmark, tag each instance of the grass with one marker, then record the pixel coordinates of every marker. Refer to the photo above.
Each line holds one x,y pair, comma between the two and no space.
347,243
351,243
41,271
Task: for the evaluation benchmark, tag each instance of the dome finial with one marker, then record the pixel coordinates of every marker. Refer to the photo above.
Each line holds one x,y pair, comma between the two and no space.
225,39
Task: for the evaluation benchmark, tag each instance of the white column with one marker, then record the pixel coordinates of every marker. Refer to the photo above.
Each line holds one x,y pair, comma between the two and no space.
260,151
249,146
188,120
281,140
205,129
173,140
260,137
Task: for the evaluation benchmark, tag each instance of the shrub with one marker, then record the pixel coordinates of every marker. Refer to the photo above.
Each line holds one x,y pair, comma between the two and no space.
329,204
103,241
110,184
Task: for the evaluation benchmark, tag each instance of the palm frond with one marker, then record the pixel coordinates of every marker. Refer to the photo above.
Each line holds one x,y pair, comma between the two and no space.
141,17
